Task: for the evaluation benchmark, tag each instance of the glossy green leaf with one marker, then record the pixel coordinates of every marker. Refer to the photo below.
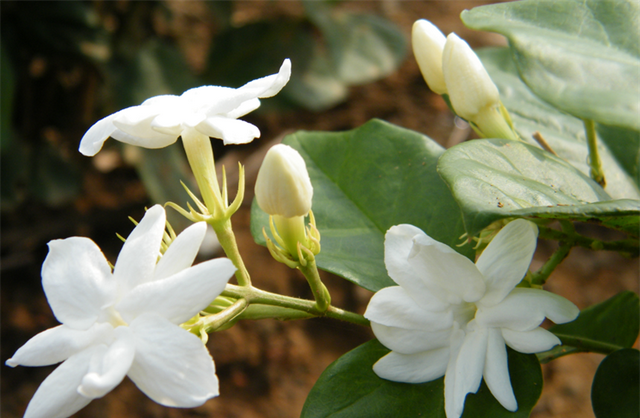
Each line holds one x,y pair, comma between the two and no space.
581,56
365,181
614,322
619,149
493,179
616,386
349,388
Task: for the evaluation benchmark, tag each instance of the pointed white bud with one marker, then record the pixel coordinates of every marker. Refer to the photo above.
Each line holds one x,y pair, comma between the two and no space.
428,43
283,186
470,87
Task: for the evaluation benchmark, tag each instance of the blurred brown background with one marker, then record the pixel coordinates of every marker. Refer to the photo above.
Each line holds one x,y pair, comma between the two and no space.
266,368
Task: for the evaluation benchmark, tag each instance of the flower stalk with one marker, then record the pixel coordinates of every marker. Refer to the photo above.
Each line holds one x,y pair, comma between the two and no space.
594,161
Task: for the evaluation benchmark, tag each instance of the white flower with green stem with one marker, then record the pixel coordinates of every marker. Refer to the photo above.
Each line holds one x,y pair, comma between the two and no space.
125,321
451,317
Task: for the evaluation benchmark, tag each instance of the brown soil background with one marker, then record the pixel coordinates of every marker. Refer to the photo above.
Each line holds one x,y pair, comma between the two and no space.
266,368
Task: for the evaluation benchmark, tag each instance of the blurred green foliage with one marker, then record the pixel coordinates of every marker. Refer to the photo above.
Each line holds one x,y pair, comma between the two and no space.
66,64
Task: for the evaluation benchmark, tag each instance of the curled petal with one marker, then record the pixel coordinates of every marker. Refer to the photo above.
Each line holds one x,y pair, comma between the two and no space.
76,278
57,396
270,85
398,243
182,251
413,368
506,259
160,140
450,275
109,366
94,138
171,365
231,131
58,344
393,307
534,341
179,297
525,309
244,108
137,259
410,341
496,371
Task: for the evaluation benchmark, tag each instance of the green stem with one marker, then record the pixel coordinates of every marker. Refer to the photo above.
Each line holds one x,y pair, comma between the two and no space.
257,296
223,319
319,290
594,158
629,246
227,240
588,345
540,277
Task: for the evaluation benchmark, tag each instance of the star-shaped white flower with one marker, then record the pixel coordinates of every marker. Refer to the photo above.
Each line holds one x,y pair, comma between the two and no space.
125,322
451,317
210,110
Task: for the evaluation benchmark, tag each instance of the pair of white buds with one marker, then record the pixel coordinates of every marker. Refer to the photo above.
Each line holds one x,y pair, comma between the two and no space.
450,67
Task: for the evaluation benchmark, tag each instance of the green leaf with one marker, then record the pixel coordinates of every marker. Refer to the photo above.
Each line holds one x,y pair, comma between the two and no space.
616,386
581,56
493,179
349,388
363,47
619,148
365,181
614,322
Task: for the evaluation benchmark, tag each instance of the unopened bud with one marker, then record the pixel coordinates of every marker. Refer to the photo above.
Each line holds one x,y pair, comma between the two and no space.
471,90
283,186
428,43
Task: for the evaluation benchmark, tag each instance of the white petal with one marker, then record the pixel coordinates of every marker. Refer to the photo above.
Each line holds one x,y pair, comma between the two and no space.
215,100
171,366
506,259
179,297
270,85
428,43
393,307
169,123
467,370
410,341
534,341
398,242
413,368
76,278
57,396
95,137
452,408
182,251
137,259
160,140
231,131
107,368
58,344
524,309
245,107
453,276
496,371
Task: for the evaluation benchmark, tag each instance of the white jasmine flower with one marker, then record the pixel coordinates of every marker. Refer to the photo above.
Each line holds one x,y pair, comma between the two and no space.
428,43
451,317
210,110
125,322
283,186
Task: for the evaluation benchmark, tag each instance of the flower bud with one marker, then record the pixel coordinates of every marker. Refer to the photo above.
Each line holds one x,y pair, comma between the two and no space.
470,87
428,43
283,186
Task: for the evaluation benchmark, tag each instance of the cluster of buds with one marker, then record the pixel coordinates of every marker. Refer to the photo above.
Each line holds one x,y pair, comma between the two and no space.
453,70
283,190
